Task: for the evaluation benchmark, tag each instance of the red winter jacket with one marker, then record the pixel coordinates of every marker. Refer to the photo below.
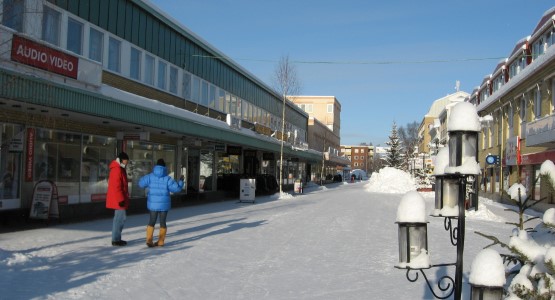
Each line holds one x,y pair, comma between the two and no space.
117,187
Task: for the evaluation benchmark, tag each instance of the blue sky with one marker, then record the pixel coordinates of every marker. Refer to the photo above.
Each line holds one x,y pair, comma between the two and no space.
379,55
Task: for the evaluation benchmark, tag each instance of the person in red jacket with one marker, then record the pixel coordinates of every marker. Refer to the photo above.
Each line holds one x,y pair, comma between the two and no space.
117,197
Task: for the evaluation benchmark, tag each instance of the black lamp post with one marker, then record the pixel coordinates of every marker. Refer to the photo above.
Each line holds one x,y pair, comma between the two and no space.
453,188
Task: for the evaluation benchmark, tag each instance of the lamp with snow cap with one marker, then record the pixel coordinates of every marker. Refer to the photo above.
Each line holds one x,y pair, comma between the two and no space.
482,292
457,168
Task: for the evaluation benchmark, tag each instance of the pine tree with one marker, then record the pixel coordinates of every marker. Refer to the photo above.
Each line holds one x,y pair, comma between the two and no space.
394,158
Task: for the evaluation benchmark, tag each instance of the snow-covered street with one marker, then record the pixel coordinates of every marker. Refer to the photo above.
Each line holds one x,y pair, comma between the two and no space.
338,242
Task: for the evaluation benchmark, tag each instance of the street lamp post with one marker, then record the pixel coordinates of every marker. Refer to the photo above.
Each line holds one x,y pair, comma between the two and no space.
452,191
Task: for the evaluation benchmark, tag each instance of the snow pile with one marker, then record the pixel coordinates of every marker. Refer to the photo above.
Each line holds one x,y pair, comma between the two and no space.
16,259
549,217
483,213
464,117
514,191
412,208
283,196
548,168
392,181
487,269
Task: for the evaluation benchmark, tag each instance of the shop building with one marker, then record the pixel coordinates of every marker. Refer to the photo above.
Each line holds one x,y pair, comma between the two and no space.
517,105
82,80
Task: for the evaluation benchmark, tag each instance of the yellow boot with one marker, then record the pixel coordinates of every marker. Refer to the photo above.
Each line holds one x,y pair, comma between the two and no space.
161,237
149,234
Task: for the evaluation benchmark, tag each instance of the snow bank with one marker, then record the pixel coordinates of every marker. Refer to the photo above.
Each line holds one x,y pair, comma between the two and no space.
487,269
548,168
392,181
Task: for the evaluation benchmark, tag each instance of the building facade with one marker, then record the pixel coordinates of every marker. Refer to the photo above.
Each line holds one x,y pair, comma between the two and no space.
360,157
83,80
517,104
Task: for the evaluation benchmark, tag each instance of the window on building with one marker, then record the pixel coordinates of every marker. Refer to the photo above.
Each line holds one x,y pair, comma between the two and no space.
162,67
537,103
553,94
356,157
51,26
356,150
499,127
74,36
330,108
510,115
135,64
221,100
96,45
204,93
195,90
173,79
523,104
187,86
212,99
149,69
114,55
538,48
12,15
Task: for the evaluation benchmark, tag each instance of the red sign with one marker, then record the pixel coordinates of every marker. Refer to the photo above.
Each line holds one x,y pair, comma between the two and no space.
29,154
98,197
538,158
37,55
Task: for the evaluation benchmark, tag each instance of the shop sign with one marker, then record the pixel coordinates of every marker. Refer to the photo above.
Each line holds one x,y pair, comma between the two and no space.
16,143
233,150
512,151
267,156
37,55
259,128
219,148
30,154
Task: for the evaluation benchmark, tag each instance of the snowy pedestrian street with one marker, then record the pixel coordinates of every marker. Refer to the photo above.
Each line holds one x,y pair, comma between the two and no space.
335,242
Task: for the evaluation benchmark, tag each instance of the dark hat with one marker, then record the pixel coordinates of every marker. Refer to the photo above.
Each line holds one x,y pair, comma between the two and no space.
161,162
123,156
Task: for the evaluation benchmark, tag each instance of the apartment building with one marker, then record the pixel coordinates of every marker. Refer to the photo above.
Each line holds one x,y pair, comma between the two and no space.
517,104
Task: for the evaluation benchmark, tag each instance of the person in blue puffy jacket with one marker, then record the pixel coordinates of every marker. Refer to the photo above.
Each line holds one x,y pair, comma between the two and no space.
159,186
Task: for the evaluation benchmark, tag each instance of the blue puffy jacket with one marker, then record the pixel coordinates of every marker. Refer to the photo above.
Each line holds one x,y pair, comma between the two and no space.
159,186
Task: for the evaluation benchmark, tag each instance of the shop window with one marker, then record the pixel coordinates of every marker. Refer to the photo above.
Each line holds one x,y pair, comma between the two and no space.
142,158
97,156
96,44
10,160
195,96
114,55
204,93
51,26
74,36
12,15
206,181
135,64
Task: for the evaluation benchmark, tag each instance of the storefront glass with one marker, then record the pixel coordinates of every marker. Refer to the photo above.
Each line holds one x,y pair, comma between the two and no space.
11,141
98,153
206,181
142,158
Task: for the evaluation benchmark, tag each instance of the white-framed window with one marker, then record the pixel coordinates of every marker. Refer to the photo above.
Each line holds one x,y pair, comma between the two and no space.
195,95
187,91
213,98
173,79
96,44
74,36
135,62
330,108
356,164
537,103
356,156
149,69
114,55
510,115
12,14
538,48
356,150
309,108
51,22
162,69
204,93
523,104
361,150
